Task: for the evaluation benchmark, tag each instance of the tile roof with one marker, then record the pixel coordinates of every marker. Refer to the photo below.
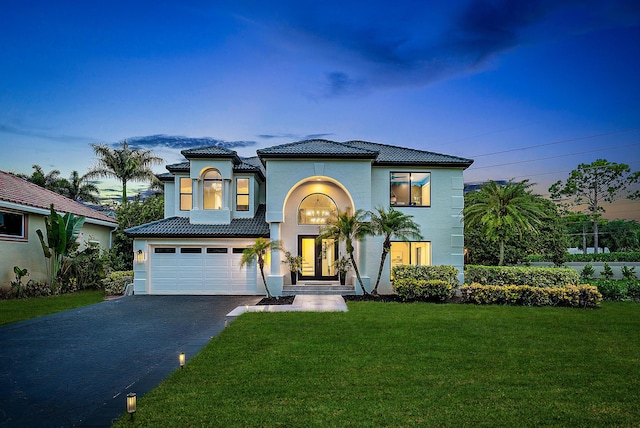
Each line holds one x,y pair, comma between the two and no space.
211,152
179,227
251,164
392,155
21,192
382,154
179,167
315,148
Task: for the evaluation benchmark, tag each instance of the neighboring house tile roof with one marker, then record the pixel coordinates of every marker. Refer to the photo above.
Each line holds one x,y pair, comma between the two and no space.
382,154
167,176
19,191
179,227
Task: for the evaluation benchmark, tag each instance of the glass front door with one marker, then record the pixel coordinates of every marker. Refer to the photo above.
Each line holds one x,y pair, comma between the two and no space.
318,258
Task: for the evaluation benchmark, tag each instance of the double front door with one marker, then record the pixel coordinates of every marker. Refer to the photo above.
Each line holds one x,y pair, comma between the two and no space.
318,258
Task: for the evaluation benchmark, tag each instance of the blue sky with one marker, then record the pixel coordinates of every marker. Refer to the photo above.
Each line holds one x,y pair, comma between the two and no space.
527,89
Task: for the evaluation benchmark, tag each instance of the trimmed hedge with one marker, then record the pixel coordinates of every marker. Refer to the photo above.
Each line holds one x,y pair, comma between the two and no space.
423,290
581,296
618,290
520,275
414,272
590,258
115,283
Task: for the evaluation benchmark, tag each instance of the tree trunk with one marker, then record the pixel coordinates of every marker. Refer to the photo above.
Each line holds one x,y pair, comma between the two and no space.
501,260
584,238
595,236
383,257
124,192
265,282
355,267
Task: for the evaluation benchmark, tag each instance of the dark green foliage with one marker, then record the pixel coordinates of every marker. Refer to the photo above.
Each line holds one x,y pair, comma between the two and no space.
520,275
607,272
618,290
629,273
604,257
587,272
581,296
130,214
87,269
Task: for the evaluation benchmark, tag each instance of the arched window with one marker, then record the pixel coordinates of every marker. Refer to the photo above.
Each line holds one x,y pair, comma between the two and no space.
316,209
212,189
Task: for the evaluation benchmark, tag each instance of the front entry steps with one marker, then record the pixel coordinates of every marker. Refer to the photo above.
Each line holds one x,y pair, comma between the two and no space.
317,288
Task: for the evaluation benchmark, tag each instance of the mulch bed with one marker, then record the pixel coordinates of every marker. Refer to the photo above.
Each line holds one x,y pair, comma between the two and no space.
282,300
288,300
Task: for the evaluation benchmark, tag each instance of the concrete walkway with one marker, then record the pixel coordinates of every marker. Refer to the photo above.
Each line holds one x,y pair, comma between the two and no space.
74,368
301,303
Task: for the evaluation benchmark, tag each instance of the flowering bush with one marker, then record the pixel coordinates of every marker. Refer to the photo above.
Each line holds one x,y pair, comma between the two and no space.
520,275
577,296
423,290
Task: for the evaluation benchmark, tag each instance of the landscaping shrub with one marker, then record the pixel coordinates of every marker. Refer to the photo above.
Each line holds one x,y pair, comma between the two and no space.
607,272
520,275
633,291
614,291
589,258
115,283
442,272
587,272
629,273
581,296
423,290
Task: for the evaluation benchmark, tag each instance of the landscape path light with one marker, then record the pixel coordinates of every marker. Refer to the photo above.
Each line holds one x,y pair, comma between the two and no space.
181,358
131,403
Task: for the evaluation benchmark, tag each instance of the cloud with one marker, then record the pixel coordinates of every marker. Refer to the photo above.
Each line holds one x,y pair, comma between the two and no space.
296,137
416,44
173,142
9,129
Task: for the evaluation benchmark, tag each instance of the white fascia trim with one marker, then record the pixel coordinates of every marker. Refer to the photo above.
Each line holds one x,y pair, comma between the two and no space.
42,211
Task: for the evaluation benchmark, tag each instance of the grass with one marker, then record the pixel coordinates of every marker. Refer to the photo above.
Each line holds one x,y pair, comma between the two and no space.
15,310
392,364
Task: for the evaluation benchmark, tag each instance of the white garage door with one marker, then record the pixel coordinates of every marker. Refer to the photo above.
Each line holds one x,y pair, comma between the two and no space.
200,270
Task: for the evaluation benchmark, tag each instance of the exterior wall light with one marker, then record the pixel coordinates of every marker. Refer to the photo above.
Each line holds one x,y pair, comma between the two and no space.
140,256
181,359
131,403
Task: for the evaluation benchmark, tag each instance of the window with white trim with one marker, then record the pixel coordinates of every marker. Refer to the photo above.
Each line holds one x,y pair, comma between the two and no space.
212,190
242,194
12,225
186,194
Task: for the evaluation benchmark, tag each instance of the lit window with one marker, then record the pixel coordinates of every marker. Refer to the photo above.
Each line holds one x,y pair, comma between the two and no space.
316,209
242,194
212,190
186,194
410,189
410,253
12,225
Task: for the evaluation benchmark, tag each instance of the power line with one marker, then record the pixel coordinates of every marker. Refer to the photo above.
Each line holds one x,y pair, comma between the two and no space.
553,157
556,142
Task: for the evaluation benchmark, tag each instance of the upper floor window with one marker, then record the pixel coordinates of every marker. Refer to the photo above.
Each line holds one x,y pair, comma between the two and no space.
212,190
186,194
316,209
12,225
410,189
242,194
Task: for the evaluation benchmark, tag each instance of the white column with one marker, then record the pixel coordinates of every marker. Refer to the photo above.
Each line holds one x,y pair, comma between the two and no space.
195,189
226,193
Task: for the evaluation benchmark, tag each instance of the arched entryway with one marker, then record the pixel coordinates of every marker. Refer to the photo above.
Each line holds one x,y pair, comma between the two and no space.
307,208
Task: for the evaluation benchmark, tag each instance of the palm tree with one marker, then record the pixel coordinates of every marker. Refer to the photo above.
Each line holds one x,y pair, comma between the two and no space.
79,189
257,251
50,180
388,224
503,210
348,228
124,164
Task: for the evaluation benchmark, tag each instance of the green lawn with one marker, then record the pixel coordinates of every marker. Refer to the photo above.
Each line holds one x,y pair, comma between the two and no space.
392,364
15,310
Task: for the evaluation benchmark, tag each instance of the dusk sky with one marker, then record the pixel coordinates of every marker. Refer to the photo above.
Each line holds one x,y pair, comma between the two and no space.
528,89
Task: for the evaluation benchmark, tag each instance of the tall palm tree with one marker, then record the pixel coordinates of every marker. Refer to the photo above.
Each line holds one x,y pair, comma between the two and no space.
348,228
79,189
388,224
124,164
258,251
503,210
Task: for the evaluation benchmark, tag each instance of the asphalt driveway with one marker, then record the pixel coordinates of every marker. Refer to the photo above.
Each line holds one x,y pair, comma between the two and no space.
75,368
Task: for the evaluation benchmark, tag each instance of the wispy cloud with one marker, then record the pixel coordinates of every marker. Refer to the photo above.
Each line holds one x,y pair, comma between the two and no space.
44,134
181,143
295,137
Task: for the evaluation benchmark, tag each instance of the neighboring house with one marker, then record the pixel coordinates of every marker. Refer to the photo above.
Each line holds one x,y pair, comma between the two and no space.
217,204
23,206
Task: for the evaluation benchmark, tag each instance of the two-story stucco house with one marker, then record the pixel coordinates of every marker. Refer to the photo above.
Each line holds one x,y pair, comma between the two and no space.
217,204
